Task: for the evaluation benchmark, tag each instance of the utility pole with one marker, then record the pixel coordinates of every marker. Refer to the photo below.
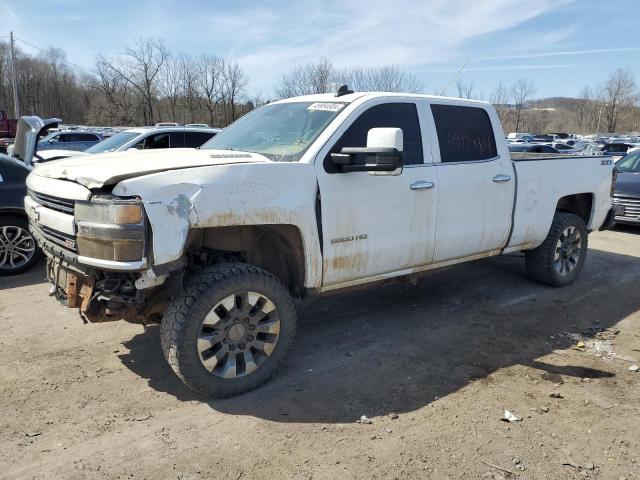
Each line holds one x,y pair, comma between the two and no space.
14,76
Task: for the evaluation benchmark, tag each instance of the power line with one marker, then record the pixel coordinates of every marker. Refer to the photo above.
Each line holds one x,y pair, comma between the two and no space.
64,60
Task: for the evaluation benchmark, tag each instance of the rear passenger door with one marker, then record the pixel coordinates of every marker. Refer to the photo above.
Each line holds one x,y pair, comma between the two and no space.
476,185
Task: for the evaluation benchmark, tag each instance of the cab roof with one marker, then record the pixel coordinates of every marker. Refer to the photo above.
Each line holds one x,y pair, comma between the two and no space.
351,97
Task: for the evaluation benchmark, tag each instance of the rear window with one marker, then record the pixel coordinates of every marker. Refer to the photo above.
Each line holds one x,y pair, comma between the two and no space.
465,134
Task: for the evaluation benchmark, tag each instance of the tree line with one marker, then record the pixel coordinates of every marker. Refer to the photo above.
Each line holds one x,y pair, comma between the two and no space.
147,83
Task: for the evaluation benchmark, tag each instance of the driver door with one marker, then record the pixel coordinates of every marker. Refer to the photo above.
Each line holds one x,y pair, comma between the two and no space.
377,224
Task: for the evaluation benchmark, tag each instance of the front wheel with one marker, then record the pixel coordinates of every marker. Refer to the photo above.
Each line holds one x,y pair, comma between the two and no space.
229,331
560,258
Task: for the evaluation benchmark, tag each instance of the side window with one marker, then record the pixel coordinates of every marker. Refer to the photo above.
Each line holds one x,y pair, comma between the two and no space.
61,138
176,140
196,139
390,115
465,134
159,140
81,137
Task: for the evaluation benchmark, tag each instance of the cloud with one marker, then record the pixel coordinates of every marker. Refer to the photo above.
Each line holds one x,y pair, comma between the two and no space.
9,19
373,32
533,66
593,51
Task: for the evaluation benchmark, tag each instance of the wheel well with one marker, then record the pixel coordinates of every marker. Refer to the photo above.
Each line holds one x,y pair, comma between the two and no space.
277,249
579,204
11,212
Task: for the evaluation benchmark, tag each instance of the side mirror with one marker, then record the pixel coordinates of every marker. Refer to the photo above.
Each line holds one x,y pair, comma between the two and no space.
383,152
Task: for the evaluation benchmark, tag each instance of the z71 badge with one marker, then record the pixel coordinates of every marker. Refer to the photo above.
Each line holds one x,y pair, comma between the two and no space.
606,162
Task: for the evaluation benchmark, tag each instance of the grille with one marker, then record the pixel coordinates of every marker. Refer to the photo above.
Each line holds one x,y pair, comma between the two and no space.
631,206
64,240
54,203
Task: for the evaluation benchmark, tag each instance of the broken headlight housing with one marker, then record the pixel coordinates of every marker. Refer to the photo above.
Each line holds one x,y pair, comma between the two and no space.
111,229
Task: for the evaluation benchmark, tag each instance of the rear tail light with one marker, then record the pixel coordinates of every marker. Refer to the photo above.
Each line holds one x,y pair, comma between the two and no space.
614,177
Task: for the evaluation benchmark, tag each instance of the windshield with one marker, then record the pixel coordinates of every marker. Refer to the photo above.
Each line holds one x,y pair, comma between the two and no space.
630,163
281,132
113,143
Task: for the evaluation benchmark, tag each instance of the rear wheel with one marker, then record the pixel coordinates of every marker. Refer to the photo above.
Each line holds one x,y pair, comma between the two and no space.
560,258
230,330
18,250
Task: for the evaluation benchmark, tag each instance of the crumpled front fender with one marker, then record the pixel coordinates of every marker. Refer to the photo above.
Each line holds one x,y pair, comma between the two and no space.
171,212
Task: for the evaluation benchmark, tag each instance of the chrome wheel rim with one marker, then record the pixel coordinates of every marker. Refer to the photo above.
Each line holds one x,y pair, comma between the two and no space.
17,247
568,248
238,335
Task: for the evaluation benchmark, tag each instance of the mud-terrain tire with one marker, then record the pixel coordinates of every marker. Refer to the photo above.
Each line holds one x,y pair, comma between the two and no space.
560,258
18,249
230,330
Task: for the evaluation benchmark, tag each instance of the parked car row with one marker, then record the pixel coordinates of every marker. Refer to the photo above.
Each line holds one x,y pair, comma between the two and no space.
143,138
566,144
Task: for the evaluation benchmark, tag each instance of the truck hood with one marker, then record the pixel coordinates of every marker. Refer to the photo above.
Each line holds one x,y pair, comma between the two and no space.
98,170
28,132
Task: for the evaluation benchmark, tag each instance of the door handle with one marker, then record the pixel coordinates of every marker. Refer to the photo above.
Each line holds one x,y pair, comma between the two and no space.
422,185
501,178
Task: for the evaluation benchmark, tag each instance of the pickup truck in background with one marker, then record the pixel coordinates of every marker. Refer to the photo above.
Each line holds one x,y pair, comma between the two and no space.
297,198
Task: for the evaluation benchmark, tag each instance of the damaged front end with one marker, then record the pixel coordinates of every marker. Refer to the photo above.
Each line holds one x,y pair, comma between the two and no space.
99,296
98,248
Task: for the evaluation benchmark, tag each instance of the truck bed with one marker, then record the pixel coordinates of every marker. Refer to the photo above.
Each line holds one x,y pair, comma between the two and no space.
541,184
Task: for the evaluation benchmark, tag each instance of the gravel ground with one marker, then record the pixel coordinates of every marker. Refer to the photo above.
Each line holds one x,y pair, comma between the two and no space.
432,366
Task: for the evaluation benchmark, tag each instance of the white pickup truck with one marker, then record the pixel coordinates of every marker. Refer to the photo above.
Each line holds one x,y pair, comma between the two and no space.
300,197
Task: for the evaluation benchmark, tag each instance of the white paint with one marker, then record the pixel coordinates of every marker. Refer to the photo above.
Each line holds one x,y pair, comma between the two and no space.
57,188
44,216
380,227
385,138
94,171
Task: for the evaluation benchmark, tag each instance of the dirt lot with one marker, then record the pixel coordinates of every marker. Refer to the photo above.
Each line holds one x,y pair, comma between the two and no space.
447,356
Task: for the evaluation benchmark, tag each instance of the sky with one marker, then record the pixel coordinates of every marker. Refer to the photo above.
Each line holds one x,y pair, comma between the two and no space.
559,45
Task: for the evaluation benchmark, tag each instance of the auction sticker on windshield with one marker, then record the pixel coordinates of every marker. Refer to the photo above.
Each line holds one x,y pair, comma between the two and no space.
327,107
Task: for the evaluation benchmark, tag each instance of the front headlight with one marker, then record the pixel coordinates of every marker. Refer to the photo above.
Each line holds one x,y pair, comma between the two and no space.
110,229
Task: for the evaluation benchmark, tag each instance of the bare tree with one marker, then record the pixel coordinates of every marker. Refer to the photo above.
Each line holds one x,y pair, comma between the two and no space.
499,98
118,102
386,78
306,79
618,94
521,92
465,90
211,83
140,67
235,83
584,108
169,84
